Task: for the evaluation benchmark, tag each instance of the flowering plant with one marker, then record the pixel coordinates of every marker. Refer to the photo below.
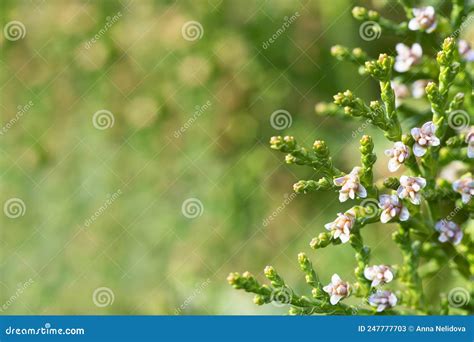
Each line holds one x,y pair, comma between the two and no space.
431,210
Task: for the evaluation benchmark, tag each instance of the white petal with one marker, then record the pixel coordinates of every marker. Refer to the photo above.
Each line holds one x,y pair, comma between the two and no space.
335,278
385,217
329,226
402,49
344,238
404,214
421,181
368,273
470,151
442,238
327,288
415,132
428,128
429,11
361,191
339,181
418,150
414,25
417,50
335,299
393,165
343,196
434,141
401,66
381,307
388,275
401,192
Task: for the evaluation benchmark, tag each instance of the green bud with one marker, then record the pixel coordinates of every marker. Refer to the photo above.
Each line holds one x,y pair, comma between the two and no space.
321,149
339,51
259,300
290,159
391,183
269,272
359,53
359,13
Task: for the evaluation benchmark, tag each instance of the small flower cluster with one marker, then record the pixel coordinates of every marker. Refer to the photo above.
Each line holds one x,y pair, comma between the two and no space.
431,213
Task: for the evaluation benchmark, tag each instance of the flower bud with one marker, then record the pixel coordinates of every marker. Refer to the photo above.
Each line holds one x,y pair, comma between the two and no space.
359,13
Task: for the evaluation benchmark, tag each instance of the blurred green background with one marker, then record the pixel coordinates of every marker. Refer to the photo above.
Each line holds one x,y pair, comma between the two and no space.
151,258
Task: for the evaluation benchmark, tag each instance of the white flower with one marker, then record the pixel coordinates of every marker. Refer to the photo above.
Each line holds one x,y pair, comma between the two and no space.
449,231
337,289
470,142
379,274
350,186
342,226
465,186
392,207
398,154
406,56
424,138
424,20
465,50
383,300
418,88
401,92
410,187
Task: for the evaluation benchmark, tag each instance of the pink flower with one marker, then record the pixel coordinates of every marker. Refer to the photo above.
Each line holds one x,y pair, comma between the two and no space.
379,274
424,138
406,56
383,300
424,20
398,154
410,187
341,227
449,231
470,142
465,186
465,50
350,186
337,289
392,207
